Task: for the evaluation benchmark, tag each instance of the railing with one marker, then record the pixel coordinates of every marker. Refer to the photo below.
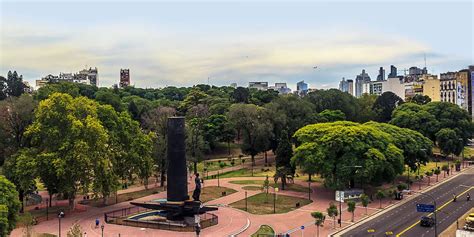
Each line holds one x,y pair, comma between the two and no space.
121,217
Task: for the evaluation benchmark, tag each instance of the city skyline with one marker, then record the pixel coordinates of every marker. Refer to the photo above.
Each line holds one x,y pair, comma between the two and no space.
186,43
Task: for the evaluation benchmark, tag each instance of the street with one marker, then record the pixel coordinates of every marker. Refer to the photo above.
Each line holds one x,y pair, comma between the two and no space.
404,220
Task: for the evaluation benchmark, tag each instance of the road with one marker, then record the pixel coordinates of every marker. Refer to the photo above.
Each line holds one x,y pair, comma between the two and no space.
404,220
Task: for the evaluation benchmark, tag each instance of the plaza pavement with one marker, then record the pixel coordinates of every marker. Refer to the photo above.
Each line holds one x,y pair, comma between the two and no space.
231,221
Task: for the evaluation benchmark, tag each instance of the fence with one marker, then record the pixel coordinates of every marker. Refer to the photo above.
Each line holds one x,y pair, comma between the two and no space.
121,217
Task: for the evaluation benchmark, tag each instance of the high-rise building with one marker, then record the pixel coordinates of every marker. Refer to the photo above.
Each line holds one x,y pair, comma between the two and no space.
259,85
448,87
124,77
302,88
282,88
381,75
344,85
359,82
393,72
350,86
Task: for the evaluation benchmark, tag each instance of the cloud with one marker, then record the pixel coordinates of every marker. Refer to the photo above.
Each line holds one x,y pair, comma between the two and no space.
158,56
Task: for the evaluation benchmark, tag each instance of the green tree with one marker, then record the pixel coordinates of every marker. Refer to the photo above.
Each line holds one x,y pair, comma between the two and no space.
365,104
61,87
110,98
68,131
351,207
241,95
3,88
364,199
16,114
449,142
332,148
437,172
255,126
429,174
284,152
319,218
385,104
156,120
329,116
380,195
15,86
420,99
415,117
9,206
334,99
332,212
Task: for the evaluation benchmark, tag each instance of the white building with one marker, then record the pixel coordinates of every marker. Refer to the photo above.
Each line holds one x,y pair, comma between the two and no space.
259,85
394,85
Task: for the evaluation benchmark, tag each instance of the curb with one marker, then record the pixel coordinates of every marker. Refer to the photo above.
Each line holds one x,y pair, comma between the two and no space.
392,206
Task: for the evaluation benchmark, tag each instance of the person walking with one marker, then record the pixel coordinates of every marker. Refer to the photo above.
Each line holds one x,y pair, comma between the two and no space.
97,222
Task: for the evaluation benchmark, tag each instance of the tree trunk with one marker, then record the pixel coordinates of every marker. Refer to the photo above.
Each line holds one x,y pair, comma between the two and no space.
266,161
334,222
228,147
318,230
195,167
50,199
283,182
309,177
72,203
21,196
352,217
162,179
104,200
145,182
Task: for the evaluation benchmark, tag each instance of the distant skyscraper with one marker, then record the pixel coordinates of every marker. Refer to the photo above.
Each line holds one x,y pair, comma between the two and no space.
344,85
381,75
259,85
350,87
360,80
393,72
302,88
124,77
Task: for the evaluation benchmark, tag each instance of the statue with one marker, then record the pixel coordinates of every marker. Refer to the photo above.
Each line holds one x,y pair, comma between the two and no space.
197,190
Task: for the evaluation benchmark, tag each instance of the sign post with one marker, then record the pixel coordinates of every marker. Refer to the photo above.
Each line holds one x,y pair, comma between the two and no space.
425,207
302,231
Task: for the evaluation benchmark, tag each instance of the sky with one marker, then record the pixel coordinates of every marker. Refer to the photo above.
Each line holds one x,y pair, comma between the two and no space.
183,43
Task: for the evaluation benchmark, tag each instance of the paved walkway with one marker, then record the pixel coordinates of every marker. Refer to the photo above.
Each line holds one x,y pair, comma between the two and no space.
231,220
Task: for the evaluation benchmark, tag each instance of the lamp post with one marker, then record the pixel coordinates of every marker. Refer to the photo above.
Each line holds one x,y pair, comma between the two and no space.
309,190
47,210
102,228
340,197
218,183
462,157
434,203
60,216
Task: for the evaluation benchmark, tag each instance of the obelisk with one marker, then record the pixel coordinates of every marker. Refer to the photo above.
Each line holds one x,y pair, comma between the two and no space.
177,172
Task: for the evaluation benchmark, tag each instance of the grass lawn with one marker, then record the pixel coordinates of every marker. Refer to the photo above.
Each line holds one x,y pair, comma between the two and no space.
291,187
245,172
428,167
213,192
257,204
124,197
52,212
252,188
264,230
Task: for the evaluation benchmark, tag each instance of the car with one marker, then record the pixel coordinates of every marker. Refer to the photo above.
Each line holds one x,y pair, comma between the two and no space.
470,218
427,221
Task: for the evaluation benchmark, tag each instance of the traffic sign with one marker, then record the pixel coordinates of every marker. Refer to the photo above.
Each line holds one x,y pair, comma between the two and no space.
425,208
302,227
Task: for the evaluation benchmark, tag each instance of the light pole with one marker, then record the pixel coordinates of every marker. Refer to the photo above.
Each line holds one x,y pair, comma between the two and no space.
434,203
60,216
462,158
340,192
102,227
218,183
309,190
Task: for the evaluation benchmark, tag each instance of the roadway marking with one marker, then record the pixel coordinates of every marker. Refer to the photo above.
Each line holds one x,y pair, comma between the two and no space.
438,209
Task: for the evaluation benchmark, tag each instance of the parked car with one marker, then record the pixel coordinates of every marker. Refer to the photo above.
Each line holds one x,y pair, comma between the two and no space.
427,221
470,218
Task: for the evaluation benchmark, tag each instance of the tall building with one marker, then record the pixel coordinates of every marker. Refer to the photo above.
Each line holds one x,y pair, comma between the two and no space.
259,85
85,76
394,85
281,87
381,75
124,77
350,86
344,86
302,88
462,89
393,72
359,82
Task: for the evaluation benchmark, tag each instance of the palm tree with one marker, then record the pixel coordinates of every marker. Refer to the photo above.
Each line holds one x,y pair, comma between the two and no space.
319,218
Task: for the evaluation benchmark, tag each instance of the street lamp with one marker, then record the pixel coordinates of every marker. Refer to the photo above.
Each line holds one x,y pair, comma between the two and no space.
462,158
60,216
434,203
102,227
340,198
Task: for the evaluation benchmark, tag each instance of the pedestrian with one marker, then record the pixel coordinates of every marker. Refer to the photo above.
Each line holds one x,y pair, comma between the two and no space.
97,222
468,197
85,234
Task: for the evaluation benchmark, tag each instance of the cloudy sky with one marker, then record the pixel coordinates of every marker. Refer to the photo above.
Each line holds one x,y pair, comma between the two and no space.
185,43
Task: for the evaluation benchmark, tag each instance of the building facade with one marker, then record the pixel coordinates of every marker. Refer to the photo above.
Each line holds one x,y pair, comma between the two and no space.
448,87
259,85
85,76
431,87
381,76
360,80
301,88
124,77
